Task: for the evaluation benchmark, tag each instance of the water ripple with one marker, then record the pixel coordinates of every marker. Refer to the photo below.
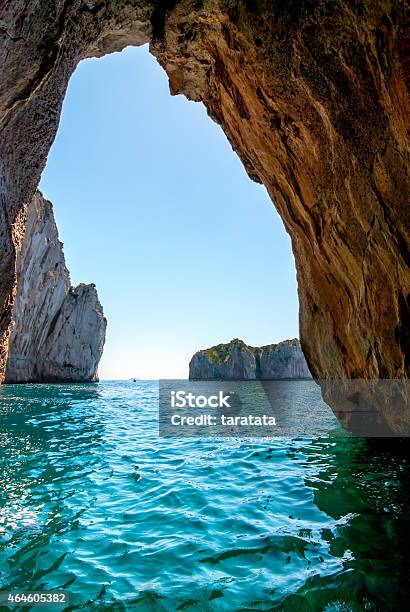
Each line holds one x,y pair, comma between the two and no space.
93,501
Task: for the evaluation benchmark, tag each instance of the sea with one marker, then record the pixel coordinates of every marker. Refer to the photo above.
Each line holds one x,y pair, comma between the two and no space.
95,504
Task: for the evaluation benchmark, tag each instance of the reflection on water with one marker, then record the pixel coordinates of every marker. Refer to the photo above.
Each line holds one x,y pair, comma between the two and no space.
92,501
366,483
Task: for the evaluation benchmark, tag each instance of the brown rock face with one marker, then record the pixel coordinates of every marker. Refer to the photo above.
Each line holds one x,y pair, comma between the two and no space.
313,96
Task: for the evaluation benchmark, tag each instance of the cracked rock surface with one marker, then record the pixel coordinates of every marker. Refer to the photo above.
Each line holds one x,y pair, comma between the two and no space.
239,361
58,331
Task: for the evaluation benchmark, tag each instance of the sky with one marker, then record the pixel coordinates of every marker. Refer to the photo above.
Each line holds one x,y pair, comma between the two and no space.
155,208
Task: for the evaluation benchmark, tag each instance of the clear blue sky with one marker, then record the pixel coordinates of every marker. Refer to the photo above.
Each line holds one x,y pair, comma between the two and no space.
155,208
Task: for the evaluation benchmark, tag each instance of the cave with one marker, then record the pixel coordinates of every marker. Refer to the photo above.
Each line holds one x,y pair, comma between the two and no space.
312,96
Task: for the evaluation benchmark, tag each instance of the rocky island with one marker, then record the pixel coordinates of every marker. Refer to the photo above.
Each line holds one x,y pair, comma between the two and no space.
238,361
58,330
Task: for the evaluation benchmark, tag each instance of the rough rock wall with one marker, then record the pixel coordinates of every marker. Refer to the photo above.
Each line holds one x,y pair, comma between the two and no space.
238,361
313,97
58,331
235,360
283,360
41,43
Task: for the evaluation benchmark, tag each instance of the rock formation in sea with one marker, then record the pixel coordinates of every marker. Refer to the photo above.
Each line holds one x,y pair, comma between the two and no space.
313,97
239,361
58,331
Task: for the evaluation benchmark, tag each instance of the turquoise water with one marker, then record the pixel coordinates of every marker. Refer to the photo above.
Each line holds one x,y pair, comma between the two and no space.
94,502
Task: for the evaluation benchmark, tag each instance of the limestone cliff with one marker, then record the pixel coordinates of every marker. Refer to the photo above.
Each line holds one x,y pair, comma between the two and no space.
238,361
58,331
312,95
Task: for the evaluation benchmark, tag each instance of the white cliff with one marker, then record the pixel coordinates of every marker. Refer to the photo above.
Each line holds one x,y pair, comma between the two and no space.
58,331
238,361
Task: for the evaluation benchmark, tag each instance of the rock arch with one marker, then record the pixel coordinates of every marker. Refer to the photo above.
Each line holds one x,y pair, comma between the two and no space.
313,97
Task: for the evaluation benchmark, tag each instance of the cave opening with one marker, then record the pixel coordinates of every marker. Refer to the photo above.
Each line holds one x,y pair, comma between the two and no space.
156,209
